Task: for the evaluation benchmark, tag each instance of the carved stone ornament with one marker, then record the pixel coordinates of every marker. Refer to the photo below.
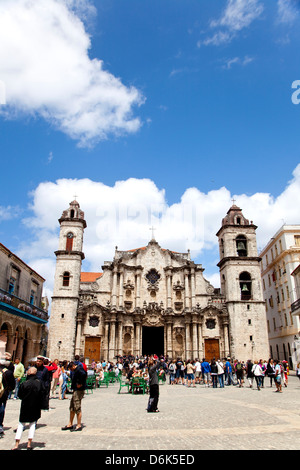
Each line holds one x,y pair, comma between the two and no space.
94,321
211,324
128,285
178,286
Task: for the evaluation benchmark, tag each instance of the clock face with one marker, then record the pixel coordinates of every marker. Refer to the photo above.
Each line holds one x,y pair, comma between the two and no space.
70,235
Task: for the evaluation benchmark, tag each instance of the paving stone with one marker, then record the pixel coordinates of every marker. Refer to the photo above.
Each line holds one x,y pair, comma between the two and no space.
190,419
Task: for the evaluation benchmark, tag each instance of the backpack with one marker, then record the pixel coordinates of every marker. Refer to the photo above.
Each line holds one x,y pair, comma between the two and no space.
239,367
1,382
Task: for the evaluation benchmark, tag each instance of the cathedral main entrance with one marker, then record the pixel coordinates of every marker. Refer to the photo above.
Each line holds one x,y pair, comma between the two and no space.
153,340
212,349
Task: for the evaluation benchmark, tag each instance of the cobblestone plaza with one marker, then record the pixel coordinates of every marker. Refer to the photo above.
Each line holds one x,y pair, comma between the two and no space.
190,419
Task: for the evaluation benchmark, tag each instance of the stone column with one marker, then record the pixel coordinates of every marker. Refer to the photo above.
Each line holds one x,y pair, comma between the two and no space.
112,340
226,339
121,289
137,330
10,343
138,290
186,292
187,341
120,341
193,288
200,350
106,342
114,288
19,350
195,339
78,336
169,349
169,290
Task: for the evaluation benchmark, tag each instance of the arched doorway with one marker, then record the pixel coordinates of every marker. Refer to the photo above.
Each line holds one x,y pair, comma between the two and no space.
153,340
3,338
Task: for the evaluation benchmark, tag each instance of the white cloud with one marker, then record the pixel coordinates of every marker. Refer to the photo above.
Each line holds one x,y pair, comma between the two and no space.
237,15
287,11
228,63
47,71
123,214
9,212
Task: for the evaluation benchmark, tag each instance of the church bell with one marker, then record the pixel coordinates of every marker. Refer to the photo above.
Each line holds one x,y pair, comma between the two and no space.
241,246
245,288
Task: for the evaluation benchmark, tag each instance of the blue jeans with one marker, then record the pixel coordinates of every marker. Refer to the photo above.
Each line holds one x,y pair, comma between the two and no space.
221,380
2,413
230,378
258,379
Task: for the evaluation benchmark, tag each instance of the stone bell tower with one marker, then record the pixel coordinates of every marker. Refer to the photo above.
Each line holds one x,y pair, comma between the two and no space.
62,330
240,277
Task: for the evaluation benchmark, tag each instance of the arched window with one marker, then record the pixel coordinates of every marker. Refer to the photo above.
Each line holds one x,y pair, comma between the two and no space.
72,213
69,243
245,286
66,279
241,245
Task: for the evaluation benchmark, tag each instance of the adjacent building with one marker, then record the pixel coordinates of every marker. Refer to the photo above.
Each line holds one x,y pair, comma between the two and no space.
153,300
23,310
280,259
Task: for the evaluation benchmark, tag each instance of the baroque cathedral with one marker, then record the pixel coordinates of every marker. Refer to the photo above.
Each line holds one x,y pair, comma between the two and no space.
151,300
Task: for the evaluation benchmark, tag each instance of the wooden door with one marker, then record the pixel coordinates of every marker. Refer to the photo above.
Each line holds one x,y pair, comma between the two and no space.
92,348
212,349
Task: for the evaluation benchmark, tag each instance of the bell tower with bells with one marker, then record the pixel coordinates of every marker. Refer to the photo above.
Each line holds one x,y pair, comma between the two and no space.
69,256
241,285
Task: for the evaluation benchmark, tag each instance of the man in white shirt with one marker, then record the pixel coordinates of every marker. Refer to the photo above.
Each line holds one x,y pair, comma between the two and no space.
197,371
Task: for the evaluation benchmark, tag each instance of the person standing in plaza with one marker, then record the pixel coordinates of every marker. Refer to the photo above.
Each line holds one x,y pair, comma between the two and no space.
278,375
197,371
228,372
190,370
205,369
153,386
45,376
214,373
249,373
55,378
7,384
239,370
258,373
31,393
270,371
179,371
78,377
172,371
18,374
220,367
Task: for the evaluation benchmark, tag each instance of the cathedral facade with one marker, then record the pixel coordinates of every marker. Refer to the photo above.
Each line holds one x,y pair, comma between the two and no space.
152,300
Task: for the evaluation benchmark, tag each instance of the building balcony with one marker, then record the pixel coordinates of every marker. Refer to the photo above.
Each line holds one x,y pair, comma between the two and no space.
15,305
295,306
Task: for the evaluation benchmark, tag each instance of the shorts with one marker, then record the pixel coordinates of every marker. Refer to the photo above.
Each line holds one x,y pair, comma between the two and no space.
179,373
75,403
197,374
190,376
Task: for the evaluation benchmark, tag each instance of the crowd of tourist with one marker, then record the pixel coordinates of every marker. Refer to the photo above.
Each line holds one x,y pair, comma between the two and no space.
44,378
215,373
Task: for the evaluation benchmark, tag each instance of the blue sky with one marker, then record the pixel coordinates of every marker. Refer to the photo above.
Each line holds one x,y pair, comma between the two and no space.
197,94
